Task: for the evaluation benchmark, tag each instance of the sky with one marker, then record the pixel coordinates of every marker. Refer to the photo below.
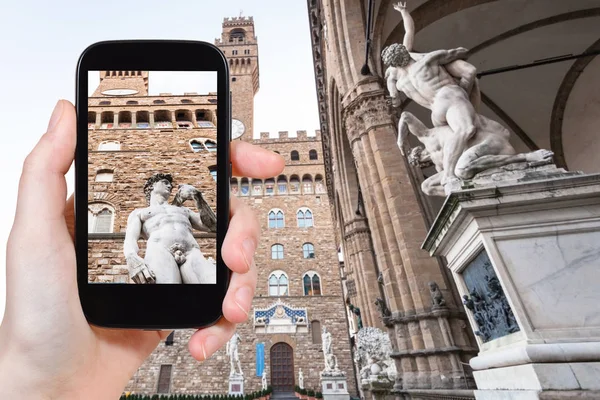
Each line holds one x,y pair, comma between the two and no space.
40,43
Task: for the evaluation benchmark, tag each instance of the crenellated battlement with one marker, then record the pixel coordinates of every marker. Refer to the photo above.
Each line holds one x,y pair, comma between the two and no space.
284,136
238,20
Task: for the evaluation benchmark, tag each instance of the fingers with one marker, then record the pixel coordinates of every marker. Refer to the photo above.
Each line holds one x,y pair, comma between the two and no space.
238,301
42,188
238,251
254,161
206,342
241,239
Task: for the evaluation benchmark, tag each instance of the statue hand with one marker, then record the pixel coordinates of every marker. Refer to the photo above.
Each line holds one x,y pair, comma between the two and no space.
139,271
186,192
400,7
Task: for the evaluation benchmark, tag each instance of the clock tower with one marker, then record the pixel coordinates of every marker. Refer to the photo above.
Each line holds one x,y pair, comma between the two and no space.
122,83
240,46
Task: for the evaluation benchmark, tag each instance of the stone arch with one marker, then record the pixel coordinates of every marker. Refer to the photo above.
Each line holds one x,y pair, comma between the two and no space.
279,338
560,104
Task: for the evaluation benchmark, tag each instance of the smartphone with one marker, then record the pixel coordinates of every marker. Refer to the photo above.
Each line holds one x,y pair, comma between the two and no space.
152,175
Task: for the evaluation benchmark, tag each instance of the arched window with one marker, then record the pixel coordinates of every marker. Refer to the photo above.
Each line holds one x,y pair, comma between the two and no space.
159,102
305,218
307,184
107,119
104,103
278,284
213,171
245,187
186,101
294,184
101,217
276,218
131,102
104,175
319,185
196,145
233,184
315,327
312,155
277,252
295,156
308,250
237,35
312,284
109,145
270,186
199,144
256,187
210,145
281,185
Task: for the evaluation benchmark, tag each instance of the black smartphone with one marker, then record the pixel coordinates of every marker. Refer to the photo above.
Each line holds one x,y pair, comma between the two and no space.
152,176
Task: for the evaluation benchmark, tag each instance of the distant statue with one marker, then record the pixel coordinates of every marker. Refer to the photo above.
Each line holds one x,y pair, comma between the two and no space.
232,352
382,308
436,295
300,379
330,359
440,81
172,252
264,380
488,148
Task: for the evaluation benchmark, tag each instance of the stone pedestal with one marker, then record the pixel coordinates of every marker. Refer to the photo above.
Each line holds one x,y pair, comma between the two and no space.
334,387
377,387
236,384
525,256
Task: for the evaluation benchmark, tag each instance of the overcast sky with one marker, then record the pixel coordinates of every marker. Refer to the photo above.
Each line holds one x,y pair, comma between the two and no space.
40,43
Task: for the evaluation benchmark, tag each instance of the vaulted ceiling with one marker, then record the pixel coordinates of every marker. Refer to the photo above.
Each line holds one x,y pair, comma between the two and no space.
554,106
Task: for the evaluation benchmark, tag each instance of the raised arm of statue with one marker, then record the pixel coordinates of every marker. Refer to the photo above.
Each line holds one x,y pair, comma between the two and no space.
138,270
409,25
444,57
205,219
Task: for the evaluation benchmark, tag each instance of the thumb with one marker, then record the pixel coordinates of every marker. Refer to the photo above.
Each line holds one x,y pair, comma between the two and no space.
42,188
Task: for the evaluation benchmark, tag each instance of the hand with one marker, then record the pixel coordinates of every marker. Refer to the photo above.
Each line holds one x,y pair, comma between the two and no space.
139,270
47,348
186,192
400,7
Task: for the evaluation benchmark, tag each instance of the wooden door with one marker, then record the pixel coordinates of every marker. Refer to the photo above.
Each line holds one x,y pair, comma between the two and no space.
282,368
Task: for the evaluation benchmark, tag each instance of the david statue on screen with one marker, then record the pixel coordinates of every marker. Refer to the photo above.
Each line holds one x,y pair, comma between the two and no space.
172,253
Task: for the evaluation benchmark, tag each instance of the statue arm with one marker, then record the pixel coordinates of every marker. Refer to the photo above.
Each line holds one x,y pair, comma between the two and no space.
409,29
444,57
465,72
205,219
132,234
390,79
409,25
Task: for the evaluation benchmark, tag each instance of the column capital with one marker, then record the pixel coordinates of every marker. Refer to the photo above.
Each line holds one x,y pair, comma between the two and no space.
367,111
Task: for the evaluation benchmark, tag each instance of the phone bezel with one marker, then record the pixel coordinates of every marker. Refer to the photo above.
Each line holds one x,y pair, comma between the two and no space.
162,306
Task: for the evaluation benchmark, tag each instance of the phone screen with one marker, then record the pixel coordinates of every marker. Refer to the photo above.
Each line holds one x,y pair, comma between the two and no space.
152,172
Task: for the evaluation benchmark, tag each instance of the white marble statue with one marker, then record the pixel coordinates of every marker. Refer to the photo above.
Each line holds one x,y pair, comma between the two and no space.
373,355
440,81
172,252
300,379
231,349
264,380
488,148
331,363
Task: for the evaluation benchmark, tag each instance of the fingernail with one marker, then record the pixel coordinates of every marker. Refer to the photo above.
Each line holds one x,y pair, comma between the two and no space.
248,249
56,114
243,296
211,344
203,351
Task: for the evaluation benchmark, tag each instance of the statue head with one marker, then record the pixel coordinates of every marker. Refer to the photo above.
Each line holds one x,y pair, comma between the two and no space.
395,55
161,183
433,286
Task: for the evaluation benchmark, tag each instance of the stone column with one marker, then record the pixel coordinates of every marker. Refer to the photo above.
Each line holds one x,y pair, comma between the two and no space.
423,350
151,119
